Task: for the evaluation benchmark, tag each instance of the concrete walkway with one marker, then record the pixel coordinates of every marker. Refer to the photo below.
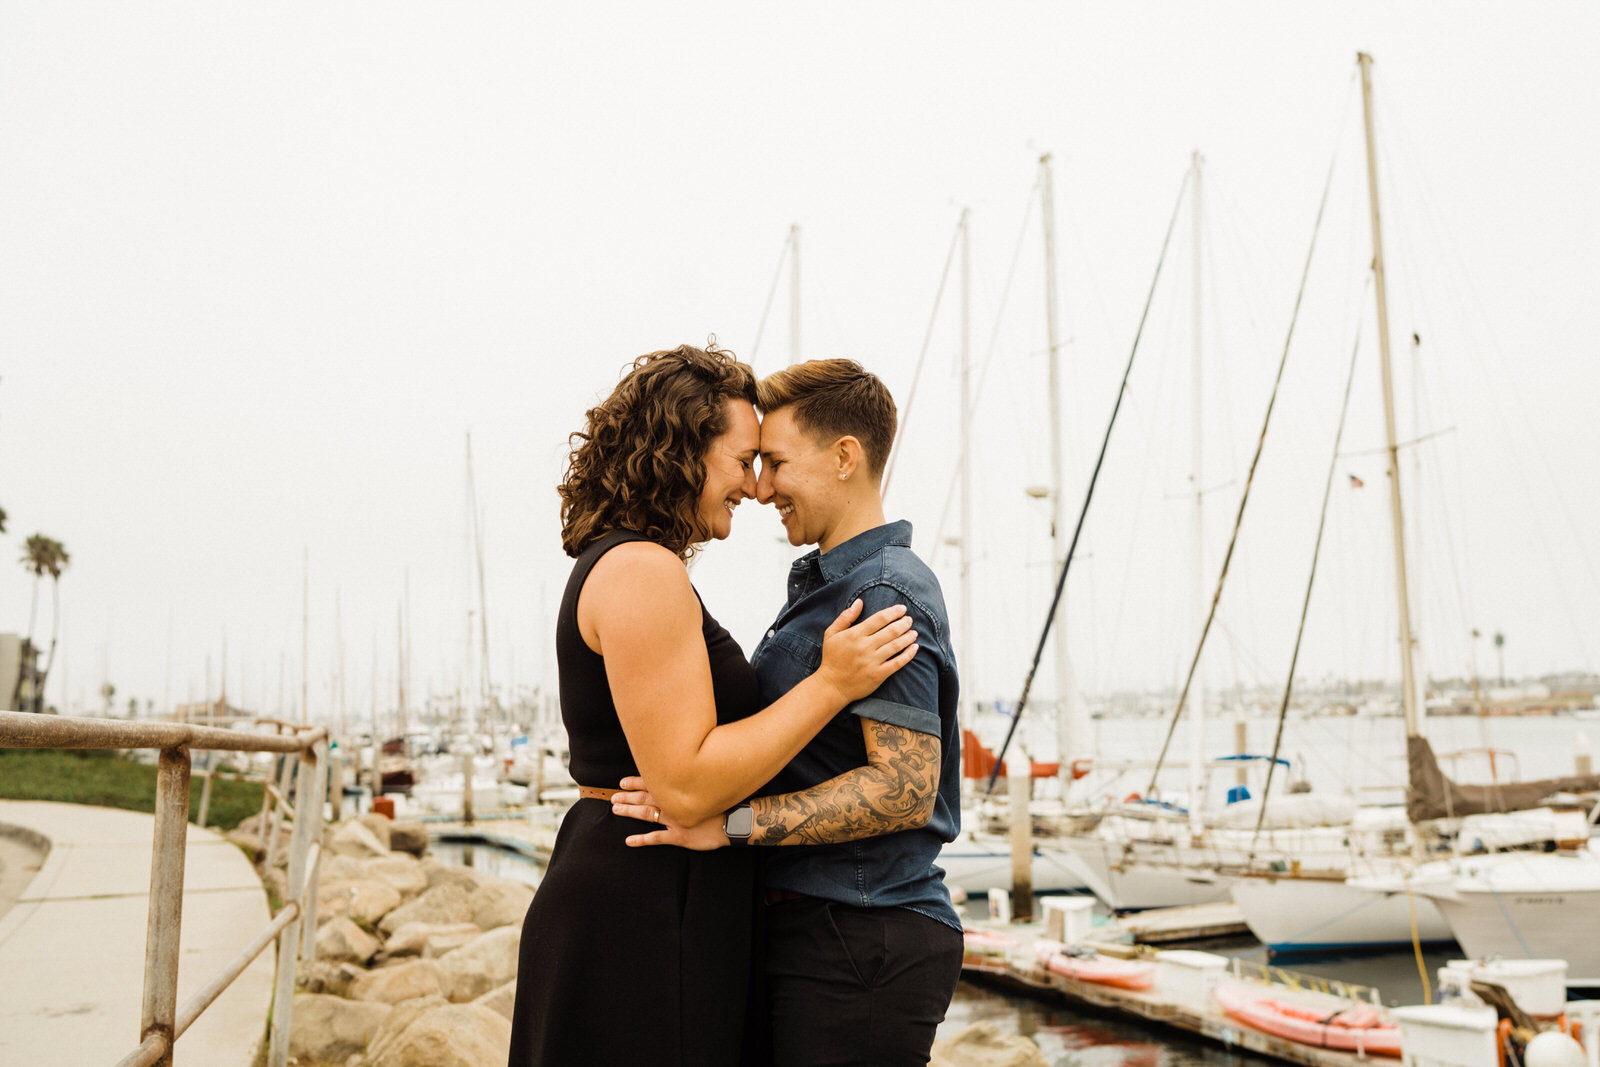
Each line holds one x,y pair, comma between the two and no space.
72,945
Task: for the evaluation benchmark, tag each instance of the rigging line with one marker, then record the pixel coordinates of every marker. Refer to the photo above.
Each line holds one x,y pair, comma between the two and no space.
983,372
1311,580
772,291
922,356
1244,497
1105,442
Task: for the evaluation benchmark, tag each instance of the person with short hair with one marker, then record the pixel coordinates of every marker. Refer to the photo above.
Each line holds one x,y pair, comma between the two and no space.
863,947
651,683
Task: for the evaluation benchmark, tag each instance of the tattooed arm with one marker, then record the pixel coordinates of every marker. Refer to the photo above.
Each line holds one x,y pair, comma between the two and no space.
894,790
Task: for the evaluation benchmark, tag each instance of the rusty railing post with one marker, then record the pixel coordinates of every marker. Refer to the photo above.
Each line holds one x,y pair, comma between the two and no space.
284,776
165,921
313,867
336,784
205,792
307,818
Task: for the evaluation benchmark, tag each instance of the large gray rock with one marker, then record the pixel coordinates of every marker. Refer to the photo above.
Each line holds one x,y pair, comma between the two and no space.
502,1000
365,901
487,961
986,1045
326,976
341,939
354,839
404,1014
444,944
412,939
458,1035
441,873
446,903
379,825
391,985
500,902
401,871
332,1028
342,868
408,836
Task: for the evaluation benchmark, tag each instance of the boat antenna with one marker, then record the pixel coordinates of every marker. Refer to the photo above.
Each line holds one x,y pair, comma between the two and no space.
1072,547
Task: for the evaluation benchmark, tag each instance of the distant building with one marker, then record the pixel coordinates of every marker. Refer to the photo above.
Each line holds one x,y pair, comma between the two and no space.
19,674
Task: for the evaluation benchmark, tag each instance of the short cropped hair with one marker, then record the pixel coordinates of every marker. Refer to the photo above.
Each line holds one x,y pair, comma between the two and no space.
832,398
639,462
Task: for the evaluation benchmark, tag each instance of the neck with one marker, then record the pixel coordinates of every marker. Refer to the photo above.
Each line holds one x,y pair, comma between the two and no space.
860,510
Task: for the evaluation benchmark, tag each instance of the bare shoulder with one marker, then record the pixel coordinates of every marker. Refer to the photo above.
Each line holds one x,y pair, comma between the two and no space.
635,583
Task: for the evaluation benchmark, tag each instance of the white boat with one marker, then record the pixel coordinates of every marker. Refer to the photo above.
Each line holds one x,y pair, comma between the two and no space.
978,862
1379,902
1330,913
1519,905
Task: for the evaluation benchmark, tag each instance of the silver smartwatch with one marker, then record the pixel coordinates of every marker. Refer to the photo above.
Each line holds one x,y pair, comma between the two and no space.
739,824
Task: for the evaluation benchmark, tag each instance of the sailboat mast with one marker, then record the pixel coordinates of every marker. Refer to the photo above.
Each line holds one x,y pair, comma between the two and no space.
965,657
1068,740
794,293
1197,691
1408,694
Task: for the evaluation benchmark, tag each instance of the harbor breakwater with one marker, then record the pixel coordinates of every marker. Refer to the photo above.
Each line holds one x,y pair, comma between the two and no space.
416,959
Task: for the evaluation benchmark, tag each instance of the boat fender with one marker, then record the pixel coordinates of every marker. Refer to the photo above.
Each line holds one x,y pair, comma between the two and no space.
1552,1048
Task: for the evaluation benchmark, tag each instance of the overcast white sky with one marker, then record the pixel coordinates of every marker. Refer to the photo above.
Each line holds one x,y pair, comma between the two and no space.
262,267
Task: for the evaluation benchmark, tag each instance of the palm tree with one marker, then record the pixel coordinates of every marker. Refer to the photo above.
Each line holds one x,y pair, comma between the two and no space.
44,555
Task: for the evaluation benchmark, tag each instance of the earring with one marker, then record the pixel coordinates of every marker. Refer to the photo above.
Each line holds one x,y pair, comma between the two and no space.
841,477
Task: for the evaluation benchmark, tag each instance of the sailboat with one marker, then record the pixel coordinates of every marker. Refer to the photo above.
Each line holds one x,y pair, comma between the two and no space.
1378,901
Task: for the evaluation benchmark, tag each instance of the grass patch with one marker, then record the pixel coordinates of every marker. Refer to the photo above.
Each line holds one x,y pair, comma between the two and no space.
108,780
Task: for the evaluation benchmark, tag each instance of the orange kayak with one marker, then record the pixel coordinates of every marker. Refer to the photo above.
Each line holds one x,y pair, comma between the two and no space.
1093,967
1359,1028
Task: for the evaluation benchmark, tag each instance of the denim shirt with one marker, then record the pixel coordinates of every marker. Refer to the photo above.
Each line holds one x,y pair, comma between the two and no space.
897,869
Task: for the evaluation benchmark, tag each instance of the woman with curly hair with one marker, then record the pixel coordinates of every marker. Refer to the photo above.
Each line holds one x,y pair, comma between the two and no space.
642,956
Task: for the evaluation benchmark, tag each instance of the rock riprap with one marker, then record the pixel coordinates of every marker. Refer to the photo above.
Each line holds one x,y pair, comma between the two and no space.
416,960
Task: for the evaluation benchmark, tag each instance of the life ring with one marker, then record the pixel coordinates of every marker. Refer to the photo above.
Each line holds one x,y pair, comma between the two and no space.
1080,768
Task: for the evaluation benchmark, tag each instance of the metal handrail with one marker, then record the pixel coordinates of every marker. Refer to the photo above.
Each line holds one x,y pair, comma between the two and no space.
162,1021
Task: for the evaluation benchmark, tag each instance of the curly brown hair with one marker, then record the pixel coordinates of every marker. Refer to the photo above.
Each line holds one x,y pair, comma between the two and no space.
639,462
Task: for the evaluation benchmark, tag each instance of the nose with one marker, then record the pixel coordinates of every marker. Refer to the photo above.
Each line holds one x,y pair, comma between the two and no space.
747,488
764,485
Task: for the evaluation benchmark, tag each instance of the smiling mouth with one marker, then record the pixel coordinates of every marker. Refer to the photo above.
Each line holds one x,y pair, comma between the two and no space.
785,511
730,504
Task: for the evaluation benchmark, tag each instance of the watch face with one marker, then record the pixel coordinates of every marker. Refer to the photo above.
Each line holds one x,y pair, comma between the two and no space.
740,822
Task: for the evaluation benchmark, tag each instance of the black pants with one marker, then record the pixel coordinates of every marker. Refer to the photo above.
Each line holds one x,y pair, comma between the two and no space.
853,985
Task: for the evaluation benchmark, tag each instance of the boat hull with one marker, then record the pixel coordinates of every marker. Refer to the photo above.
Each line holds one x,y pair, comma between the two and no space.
1324,915
979,862
1126,883
1533,909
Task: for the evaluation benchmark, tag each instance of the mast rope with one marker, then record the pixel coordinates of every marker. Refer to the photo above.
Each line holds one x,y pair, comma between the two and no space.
922,356
1094,477
772,291
1244,497
1311,580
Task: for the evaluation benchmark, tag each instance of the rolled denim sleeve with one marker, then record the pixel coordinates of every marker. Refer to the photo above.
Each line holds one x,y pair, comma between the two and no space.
910,696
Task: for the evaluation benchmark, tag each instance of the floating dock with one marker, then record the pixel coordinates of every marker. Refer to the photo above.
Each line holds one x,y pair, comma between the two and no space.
1197,922
1180,998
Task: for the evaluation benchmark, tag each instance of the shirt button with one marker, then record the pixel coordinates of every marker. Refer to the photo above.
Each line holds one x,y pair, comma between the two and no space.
771,634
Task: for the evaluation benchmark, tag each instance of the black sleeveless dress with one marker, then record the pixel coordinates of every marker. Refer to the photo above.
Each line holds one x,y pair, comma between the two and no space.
636,956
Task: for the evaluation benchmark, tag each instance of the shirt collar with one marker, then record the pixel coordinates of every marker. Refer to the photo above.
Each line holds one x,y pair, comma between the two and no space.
842,558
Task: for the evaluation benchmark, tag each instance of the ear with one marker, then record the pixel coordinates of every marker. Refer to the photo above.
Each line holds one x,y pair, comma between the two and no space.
848,455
